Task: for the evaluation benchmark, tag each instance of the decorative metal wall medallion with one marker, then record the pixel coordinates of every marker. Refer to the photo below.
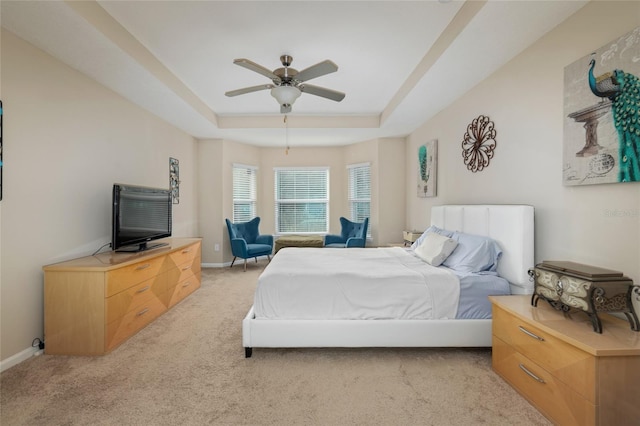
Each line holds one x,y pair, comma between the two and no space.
479,143
174,179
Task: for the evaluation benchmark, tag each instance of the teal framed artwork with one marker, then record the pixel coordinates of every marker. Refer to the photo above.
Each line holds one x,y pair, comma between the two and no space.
427,169
602,114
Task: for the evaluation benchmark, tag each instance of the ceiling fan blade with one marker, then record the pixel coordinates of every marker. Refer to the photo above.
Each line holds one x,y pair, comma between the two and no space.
334,95
250,65
317,70
249,90
285,109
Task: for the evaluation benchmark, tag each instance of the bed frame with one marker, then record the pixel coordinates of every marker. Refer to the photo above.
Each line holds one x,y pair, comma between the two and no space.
512,226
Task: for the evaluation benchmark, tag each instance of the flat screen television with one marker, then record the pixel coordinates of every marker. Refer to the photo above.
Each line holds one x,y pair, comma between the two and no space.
140,215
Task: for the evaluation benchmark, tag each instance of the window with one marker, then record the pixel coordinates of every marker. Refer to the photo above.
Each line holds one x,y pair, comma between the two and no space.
302,200
244,193
360,193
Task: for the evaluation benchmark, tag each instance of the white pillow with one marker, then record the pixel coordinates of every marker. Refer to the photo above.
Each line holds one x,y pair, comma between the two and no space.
432,229
435,248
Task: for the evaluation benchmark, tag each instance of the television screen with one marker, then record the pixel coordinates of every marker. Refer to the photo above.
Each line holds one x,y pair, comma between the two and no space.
140,215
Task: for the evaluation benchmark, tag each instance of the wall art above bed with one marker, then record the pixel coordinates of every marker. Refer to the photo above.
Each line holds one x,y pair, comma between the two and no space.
602,114
427,169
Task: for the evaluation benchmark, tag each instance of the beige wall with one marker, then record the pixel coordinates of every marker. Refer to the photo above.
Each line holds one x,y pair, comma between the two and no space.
66,141
525,101
210,190
391,200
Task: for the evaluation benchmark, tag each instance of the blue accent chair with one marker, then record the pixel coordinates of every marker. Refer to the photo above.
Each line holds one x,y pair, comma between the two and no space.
246,241
354,234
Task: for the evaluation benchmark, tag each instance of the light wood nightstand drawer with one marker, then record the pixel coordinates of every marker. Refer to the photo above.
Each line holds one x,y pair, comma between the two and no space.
123,278
566,362
554,398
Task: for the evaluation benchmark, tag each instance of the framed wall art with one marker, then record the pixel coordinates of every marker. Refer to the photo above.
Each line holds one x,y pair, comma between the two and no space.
427,169
174,179
602,114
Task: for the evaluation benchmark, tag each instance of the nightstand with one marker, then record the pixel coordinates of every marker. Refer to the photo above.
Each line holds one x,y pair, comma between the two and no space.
571,374
411,236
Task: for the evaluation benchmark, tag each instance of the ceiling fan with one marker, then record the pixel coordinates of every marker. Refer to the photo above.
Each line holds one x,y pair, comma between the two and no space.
289,83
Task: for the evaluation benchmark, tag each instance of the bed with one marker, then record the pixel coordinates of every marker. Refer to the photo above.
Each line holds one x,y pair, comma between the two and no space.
511,226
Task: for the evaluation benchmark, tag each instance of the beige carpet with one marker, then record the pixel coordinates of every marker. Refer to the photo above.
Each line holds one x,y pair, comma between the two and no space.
188,367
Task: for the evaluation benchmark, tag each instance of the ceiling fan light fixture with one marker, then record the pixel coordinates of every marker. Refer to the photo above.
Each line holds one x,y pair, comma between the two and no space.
285,95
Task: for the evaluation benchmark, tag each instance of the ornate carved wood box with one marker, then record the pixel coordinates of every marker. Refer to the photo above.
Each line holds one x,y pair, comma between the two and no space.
573,286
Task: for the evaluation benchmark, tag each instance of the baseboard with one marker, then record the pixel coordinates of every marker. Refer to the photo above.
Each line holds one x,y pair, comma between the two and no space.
215,265
16,359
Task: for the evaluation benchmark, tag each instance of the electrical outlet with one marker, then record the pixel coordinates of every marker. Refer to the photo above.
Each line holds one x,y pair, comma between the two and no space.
216,247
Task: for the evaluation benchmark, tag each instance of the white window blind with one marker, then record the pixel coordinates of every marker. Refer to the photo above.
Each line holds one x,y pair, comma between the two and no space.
302,200
360,193
244,192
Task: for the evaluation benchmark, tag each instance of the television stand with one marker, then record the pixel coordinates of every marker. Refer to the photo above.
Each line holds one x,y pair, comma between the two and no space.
140,247
95,303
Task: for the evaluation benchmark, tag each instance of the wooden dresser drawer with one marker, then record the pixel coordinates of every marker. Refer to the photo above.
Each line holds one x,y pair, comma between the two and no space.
119,304
121,279
184,288
187,254
122,328
566,362
554,398
185,270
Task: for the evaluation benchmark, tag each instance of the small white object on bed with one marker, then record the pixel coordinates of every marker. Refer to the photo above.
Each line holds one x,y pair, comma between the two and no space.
321,324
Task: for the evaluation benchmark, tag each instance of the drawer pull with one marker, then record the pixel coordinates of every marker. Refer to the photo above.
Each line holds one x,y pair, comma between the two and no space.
186,268
142,312
523,368
186,251
141,267
143,289
528,333
186,285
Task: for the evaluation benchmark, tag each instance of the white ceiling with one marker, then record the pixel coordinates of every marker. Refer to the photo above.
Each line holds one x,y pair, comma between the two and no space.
400,62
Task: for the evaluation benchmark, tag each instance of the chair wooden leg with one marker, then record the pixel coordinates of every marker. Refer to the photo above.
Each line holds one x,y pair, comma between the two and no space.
256,258
269,257
245,265
234,259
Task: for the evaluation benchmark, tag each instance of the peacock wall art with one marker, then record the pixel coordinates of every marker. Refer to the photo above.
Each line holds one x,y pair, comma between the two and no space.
427,171
602,120
623,89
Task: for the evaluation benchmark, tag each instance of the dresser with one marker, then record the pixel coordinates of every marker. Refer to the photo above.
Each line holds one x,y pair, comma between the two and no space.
95,303
571,374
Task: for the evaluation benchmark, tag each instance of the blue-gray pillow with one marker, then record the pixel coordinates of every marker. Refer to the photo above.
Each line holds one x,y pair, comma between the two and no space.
474,253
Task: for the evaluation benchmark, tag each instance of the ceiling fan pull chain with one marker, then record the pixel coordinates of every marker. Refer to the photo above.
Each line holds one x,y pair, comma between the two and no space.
286,135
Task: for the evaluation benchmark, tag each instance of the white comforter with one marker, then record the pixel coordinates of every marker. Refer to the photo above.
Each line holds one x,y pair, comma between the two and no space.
354,283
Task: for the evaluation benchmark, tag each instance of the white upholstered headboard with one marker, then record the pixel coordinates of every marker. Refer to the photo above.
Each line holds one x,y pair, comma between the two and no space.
512,226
